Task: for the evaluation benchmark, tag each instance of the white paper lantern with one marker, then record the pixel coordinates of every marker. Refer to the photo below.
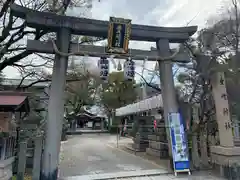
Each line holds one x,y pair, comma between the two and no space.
144,105
137,107
159,101
140,106
150,103
154,102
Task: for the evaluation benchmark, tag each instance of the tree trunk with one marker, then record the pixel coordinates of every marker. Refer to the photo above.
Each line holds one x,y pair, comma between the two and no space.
109,122
195,156
203,148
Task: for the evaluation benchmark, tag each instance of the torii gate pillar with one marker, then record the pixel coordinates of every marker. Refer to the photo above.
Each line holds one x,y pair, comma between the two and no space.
167,85
56,108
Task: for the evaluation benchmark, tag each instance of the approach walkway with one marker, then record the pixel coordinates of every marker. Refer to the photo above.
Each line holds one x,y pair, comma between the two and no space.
90,154
96,157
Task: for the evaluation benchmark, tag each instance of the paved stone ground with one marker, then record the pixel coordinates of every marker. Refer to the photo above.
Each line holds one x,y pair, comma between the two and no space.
195,176
160,177
199,176
91,154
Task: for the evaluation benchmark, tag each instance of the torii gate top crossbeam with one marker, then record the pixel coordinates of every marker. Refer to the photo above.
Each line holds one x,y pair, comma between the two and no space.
97,28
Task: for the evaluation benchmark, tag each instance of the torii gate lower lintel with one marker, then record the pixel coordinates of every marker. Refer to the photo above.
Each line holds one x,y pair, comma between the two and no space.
65,26
96,51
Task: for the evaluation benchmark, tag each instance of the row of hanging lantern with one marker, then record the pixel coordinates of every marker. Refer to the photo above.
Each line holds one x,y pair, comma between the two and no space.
154,102
129,69
119,30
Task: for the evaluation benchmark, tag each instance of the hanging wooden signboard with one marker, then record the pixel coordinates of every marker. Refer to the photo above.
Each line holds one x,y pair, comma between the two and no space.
119,31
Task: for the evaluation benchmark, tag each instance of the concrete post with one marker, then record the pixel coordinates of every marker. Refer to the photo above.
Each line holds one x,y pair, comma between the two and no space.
167,85
2,155
222,110
22,160
37,157
56,109
109,123
102,124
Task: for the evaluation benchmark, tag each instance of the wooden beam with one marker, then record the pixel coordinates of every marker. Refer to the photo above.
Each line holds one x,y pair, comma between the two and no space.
97,28
96,51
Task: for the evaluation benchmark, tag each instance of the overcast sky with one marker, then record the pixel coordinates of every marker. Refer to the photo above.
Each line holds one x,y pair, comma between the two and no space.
158,12
154,12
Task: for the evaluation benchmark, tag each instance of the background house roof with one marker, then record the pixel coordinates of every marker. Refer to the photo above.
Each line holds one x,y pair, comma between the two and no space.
14,101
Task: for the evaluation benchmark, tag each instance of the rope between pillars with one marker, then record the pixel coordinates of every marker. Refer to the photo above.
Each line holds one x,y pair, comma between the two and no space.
158,58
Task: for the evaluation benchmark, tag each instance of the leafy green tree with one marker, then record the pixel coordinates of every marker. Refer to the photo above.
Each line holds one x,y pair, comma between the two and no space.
80,93
83,91
117,92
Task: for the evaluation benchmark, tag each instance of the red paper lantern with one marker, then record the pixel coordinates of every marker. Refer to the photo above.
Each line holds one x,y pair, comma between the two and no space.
155,124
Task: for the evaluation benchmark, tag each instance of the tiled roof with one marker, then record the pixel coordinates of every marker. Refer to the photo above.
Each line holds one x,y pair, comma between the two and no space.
11,100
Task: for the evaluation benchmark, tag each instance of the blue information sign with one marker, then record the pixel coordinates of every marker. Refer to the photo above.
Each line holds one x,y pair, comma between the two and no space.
179,143
118,35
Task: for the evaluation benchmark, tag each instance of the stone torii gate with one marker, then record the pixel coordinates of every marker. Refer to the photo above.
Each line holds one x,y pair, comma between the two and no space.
64,26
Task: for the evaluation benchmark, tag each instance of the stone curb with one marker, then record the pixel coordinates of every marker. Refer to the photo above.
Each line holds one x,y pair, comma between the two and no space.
63,142
124,174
